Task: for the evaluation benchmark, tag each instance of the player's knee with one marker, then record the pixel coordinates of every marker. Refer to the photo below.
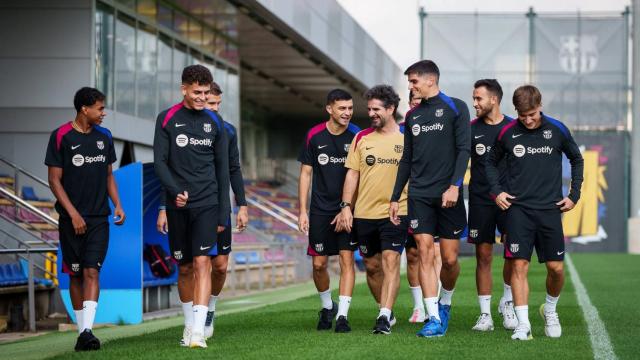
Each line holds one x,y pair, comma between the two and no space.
555,269
185,270
483,260
372,267
520,268
219,268
319,266
90,274
449,262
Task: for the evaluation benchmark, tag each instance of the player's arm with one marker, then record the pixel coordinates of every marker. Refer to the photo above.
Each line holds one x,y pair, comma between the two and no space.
161,223
490,164
221,159
160,164
237,182
55,183
345,219
572,151
462,133
304,183
404,168
112,189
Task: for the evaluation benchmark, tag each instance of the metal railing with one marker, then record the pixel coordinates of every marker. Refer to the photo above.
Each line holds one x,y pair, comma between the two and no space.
19,201
31,288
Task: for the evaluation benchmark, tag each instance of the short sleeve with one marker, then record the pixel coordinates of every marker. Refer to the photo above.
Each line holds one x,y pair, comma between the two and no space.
306,153
353,157
53,156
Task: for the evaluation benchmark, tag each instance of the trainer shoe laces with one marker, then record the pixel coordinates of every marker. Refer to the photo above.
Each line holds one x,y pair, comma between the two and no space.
552,318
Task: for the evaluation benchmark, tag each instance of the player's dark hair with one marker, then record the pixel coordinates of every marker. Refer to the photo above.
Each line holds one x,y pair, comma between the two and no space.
526,97
215,88
386,94
492,86
336,95
423,67
87,96
196,74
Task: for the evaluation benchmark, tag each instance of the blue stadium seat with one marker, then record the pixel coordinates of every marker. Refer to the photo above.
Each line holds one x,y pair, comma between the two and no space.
254,258
24,267
29,194
240,258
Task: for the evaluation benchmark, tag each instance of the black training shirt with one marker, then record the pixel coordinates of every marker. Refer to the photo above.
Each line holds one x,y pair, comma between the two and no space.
85,160
483,136
436,147
191,154
534,164
327,154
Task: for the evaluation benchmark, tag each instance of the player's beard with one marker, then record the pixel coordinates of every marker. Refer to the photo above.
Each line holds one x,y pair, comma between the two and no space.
483,112
378,123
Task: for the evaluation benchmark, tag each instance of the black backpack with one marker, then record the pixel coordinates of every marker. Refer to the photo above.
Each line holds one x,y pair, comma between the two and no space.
161,264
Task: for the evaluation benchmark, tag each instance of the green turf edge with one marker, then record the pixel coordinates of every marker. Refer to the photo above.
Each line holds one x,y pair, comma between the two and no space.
613,285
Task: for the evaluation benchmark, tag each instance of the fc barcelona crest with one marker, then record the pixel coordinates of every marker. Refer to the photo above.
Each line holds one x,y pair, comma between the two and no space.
319,247
439,112
207,127
100,144
398,148
346,147
514,248
547,134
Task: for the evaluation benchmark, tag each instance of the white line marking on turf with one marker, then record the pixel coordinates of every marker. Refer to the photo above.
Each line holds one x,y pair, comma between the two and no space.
600,342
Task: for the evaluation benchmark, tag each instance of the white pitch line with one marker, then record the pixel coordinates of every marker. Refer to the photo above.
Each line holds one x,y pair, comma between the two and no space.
600,342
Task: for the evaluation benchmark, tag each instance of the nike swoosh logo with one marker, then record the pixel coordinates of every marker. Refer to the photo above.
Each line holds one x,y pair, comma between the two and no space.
560,252
351,243
178,125
204,248
394,244
478,137
417,116
75,147
515,136
368,148
322,146
457,232
226,247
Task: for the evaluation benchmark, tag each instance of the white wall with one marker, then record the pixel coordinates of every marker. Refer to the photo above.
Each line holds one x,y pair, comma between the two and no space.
45,56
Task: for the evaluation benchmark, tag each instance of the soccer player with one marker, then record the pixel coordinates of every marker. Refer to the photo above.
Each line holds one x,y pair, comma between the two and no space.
436,153
79,158
484,215
219,252
373,163
532,197
191,158
322,161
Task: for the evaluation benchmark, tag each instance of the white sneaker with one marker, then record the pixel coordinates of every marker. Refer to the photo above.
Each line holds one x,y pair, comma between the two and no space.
484,323
522,332
186,336
552,326
208,329
197,341
418,316
509,320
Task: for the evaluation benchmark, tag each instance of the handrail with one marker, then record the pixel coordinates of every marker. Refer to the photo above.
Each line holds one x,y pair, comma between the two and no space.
22,242
273,205
27,250
272,213
32,176
32,208
53,276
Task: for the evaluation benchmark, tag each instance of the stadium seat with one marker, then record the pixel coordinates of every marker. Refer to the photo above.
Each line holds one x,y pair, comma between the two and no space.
28,193
240,258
